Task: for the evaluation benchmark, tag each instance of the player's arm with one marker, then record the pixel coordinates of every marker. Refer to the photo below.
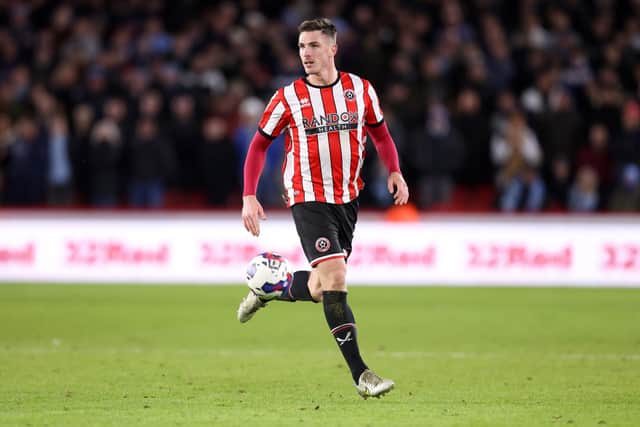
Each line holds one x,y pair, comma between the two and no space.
386,149
252,211
274,119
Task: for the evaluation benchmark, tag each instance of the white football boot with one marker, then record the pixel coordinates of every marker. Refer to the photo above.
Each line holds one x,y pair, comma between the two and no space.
248,307
371,385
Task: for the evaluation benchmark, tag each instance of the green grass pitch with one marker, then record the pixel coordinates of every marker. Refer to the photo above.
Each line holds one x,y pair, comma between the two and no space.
176,356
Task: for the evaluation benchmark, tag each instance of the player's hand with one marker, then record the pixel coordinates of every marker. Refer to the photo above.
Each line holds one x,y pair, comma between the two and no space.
252,213
398,187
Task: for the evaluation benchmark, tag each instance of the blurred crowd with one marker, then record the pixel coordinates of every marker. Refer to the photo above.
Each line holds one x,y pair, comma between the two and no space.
121,103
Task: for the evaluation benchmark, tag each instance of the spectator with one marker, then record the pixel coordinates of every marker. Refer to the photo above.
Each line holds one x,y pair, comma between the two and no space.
6,138
150,105
151,163
500,66
473,125
184,134
535,99
436,155
454,25
506,106
20,82
27,167
95,88
532,33
627,145
559,183
559,131
433,83
44,103
559,126
105,149
606,97
597,157
626,196
60,172
217,162
116,109
517,155
81,125
577,73
583,195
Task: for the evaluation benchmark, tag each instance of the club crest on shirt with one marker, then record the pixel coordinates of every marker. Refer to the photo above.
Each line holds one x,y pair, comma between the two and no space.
349,94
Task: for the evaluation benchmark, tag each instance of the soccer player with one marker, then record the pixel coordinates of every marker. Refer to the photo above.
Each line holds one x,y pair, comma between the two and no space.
325,116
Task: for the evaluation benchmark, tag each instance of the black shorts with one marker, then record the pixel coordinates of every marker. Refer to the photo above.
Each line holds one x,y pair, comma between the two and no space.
325,229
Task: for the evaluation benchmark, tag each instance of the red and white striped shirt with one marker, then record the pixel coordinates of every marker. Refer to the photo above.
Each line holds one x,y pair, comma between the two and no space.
325,136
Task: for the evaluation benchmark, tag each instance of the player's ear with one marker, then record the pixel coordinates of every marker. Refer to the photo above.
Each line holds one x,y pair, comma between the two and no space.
334,49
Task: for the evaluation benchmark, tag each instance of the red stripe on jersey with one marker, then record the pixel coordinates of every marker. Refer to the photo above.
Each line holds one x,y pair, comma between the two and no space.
335,152
298,190
354,139
312,142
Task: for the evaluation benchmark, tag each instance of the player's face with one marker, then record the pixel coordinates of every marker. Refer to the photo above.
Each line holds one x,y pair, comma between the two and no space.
316,51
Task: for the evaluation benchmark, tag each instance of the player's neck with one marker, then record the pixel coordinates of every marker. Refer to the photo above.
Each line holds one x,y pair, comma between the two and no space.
323,78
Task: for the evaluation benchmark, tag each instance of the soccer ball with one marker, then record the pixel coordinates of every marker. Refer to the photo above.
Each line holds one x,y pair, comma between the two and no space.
268,274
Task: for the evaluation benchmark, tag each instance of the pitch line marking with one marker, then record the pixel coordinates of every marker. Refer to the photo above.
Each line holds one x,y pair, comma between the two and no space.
271,352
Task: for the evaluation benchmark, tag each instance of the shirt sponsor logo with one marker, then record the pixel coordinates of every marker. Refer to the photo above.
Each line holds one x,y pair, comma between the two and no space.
332,122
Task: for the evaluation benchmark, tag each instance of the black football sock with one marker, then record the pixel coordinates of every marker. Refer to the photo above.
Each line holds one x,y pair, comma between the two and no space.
343,327
298,289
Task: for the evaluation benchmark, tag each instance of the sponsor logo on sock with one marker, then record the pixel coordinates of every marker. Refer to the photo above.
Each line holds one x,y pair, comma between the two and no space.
345,339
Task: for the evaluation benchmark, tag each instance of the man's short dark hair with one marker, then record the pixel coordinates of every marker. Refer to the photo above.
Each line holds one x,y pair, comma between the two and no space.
323,25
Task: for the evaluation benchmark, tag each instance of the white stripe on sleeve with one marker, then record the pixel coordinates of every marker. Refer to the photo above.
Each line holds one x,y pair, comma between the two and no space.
375,103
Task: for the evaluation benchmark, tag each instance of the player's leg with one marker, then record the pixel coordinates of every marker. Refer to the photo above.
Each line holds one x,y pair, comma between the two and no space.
249,306
339,316
304,286
315,287
310,219
342,323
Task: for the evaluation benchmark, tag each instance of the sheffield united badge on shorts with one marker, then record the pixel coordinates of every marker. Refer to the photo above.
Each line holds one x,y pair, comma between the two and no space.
322,244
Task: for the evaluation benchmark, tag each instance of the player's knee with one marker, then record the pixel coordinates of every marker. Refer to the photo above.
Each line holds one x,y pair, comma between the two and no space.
332,274
315,288
334,280
316,294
